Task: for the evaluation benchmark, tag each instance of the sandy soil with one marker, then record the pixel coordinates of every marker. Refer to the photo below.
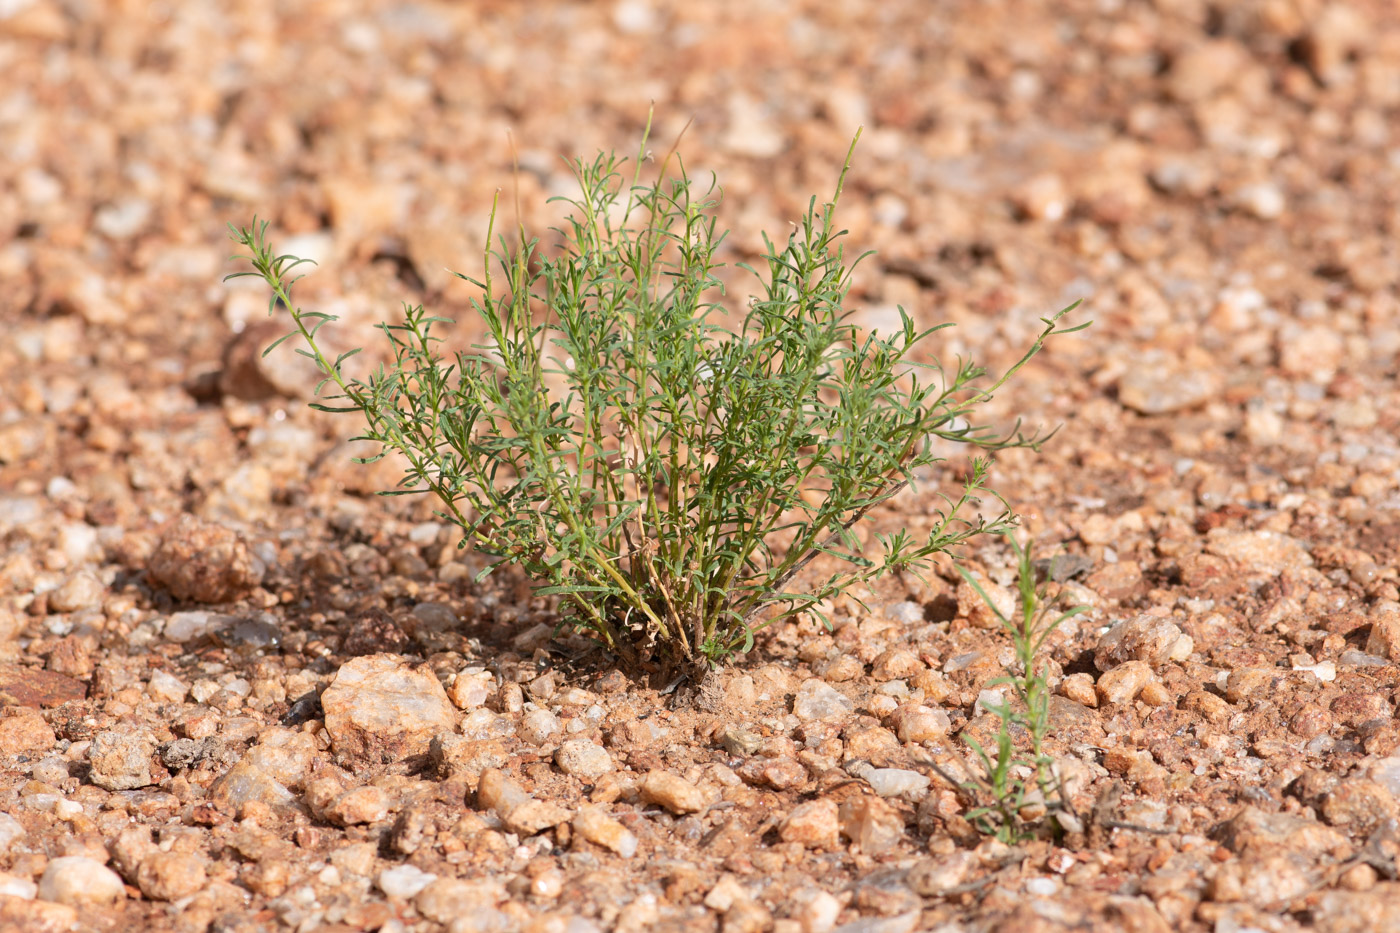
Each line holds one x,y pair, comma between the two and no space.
242,693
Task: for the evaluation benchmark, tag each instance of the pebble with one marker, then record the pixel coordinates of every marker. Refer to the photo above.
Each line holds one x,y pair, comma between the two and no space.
121,761
80,882
673,792
449,898
169,876
596,826
1147,637
368,804
1268,552
815,825
1263,200
538,726
24,731
1080,689
1247,682
15,886
404,881
896,663
1124,682
165,687
1359,804
80,591
244,783
286,754
1156,387
1384,640
500,794
902,923
915,723
203,562
872,824
974,608
519,811
896,782
583,759
181,627
11,831
816,700
936,877
739,741
380,710
816,912
470,691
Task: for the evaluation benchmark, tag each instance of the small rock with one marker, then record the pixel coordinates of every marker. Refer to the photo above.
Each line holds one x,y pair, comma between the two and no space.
1246,682
379,710
538,726
896,663
181,627
583,759
673,792
470,691
286,754
1157,387
1124,682
779,773
752,131
915,723
815,824
11,831
36,916
594,825
816,911
244,783
14,886
1360,804
1384,640
24,732
903,923
725,894
819,701
535,816
80,591
872,824
463,757
449,898
165,687
937,877
121,761
1148,637
1042,197
368,804
1080,689
169,876
739,741
404,881
203,562
1268,552
896,782
1263,200
81,882
974,608
500,794
1203,69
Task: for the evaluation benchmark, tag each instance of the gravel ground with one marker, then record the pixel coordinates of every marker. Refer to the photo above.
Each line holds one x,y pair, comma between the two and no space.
241,693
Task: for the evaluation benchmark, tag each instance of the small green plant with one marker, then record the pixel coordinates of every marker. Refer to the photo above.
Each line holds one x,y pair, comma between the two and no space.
1004,777
664,465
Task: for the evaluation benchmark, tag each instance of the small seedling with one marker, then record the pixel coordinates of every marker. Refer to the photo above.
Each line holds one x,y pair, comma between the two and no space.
664,464
1004,777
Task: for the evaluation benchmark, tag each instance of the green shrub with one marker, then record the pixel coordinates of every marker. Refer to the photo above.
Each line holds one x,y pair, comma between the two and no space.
666,469
1012,794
